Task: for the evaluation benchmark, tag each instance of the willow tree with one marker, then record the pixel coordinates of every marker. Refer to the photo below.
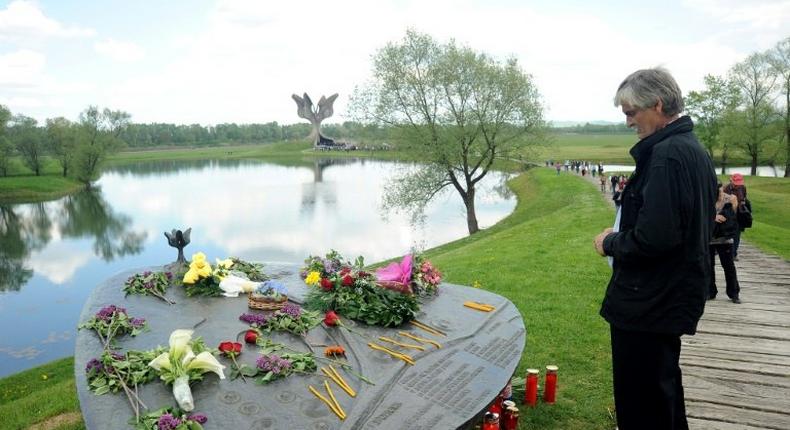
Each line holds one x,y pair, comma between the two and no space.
455,109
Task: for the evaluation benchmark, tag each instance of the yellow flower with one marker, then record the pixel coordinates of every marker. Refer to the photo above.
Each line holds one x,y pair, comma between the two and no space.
199,257
204,271
190,277
476,284
225,264
312,278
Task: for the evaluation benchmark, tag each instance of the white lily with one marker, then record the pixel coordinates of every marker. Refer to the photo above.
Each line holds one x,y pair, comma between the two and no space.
179,342
180,361
205,361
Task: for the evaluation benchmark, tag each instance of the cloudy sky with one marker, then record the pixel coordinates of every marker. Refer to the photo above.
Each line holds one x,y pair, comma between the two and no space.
213,61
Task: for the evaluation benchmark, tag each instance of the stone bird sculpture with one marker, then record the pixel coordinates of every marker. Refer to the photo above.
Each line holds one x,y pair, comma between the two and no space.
179,240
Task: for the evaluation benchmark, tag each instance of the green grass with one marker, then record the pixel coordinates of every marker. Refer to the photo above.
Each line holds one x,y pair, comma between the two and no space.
541,258
34,395
17,189
770,199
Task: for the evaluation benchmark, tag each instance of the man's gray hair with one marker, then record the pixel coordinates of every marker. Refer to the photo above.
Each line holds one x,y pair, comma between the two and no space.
644,88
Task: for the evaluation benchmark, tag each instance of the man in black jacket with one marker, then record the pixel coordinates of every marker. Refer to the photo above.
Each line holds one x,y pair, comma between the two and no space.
660,249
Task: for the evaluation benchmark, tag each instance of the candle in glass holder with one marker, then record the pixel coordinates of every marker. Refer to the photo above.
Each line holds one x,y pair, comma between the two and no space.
510,418
550,387
531,387
490,421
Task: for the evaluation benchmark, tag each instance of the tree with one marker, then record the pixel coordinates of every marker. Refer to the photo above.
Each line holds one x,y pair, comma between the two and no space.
6,147
779,59
62,141
709,109
755,80
456,109
29,141
97,137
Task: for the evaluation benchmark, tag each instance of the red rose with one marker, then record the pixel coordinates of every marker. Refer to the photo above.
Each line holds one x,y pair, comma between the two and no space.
230,348
326,284
251,336
344,271
331,319
348,281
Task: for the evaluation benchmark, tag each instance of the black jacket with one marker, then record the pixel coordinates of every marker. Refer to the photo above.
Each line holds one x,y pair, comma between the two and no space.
661,264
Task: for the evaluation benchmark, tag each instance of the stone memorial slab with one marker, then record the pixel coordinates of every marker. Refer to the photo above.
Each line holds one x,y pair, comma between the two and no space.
445,389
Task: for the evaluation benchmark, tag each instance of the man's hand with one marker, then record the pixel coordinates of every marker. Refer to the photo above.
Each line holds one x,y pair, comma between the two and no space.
720,218
598,242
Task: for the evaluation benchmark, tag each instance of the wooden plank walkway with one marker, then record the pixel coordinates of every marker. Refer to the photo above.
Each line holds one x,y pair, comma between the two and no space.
736,369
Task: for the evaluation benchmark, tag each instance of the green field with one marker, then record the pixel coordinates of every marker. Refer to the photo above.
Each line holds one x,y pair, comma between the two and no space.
770,198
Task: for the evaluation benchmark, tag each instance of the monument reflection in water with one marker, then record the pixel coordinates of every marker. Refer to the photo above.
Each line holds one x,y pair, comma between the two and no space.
53,254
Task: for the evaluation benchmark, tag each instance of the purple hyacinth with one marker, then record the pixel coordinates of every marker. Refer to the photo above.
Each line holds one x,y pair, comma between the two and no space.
168,422
292,310
118,357
273,363
137,322
169,275
147,273
94,364
258,320
198,418
108,312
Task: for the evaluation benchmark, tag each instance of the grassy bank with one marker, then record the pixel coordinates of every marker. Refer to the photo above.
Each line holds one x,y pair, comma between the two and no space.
539,257
770,199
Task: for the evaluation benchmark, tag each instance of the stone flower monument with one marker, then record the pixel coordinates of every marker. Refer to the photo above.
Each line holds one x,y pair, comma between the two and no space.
306,110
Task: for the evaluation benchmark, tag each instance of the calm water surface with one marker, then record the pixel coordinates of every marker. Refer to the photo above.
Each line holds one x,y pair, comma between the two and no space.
53,254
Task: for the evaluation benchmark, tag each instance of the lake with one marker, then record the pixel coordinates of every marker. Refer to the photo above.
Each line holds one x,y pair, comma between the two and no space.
54,253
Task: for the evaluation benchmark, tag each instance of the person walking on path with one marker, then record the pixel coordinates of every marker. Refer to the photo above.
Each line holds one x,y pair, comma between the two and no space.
661,268
738,189
724,231
602,180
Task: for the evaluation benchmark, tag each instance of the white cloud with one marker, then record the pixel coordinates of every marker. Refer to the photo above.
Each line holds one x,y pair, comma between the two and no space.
25,20
58,262
125,52
22,68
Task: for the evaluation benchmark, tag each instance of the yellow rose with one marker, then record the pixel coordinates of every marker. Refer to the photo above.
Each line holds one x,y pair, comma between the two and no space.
199,257
312,278
190,277
203,270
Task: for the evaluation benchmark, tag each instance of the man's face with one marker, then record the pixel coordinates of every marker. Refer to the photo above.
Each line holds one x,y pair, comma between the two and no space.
646,121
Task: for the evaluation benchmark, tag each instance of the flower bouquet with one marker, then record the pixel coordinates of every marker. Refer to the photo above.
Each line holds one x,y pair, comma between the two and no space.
270,295
201,280
181,365
414,273
345,287
170,419
290,318
149,284
254,271
112,321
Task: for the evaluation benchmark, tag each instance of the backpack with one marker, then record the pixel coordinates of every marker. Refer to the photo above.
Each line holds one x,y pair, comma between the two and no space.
745,218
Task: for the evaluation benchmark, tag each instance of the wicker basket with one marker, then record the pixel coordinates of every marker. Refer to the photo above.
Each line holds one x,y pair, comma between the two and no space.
266,303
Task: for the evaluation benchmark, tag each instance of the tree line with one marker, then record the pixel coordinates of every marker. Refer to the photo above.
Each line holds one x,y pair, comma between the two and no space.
80,147
747,110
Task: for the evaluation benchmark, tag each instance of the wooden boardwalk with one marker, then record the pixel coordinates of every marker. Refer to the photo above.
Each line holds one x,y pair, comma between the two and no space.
736,369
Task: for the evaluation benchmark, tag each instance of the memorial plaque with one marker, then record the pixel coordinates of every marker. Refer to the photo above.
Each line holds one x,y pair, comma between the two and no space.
445,389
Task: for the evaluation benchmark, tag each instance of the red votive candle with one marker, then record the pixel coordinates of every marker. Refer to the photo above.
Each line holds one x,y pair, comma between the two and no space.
550,388
531,389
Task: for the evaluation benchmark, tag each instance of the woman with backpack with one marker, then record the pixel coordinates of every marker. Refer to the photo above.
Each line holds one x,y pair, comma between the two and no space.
724,232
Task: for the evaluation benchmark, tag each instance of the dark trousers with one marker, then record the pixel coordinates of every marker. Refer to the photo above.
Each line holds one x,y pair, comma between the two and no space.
730,275
648,385
736,243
